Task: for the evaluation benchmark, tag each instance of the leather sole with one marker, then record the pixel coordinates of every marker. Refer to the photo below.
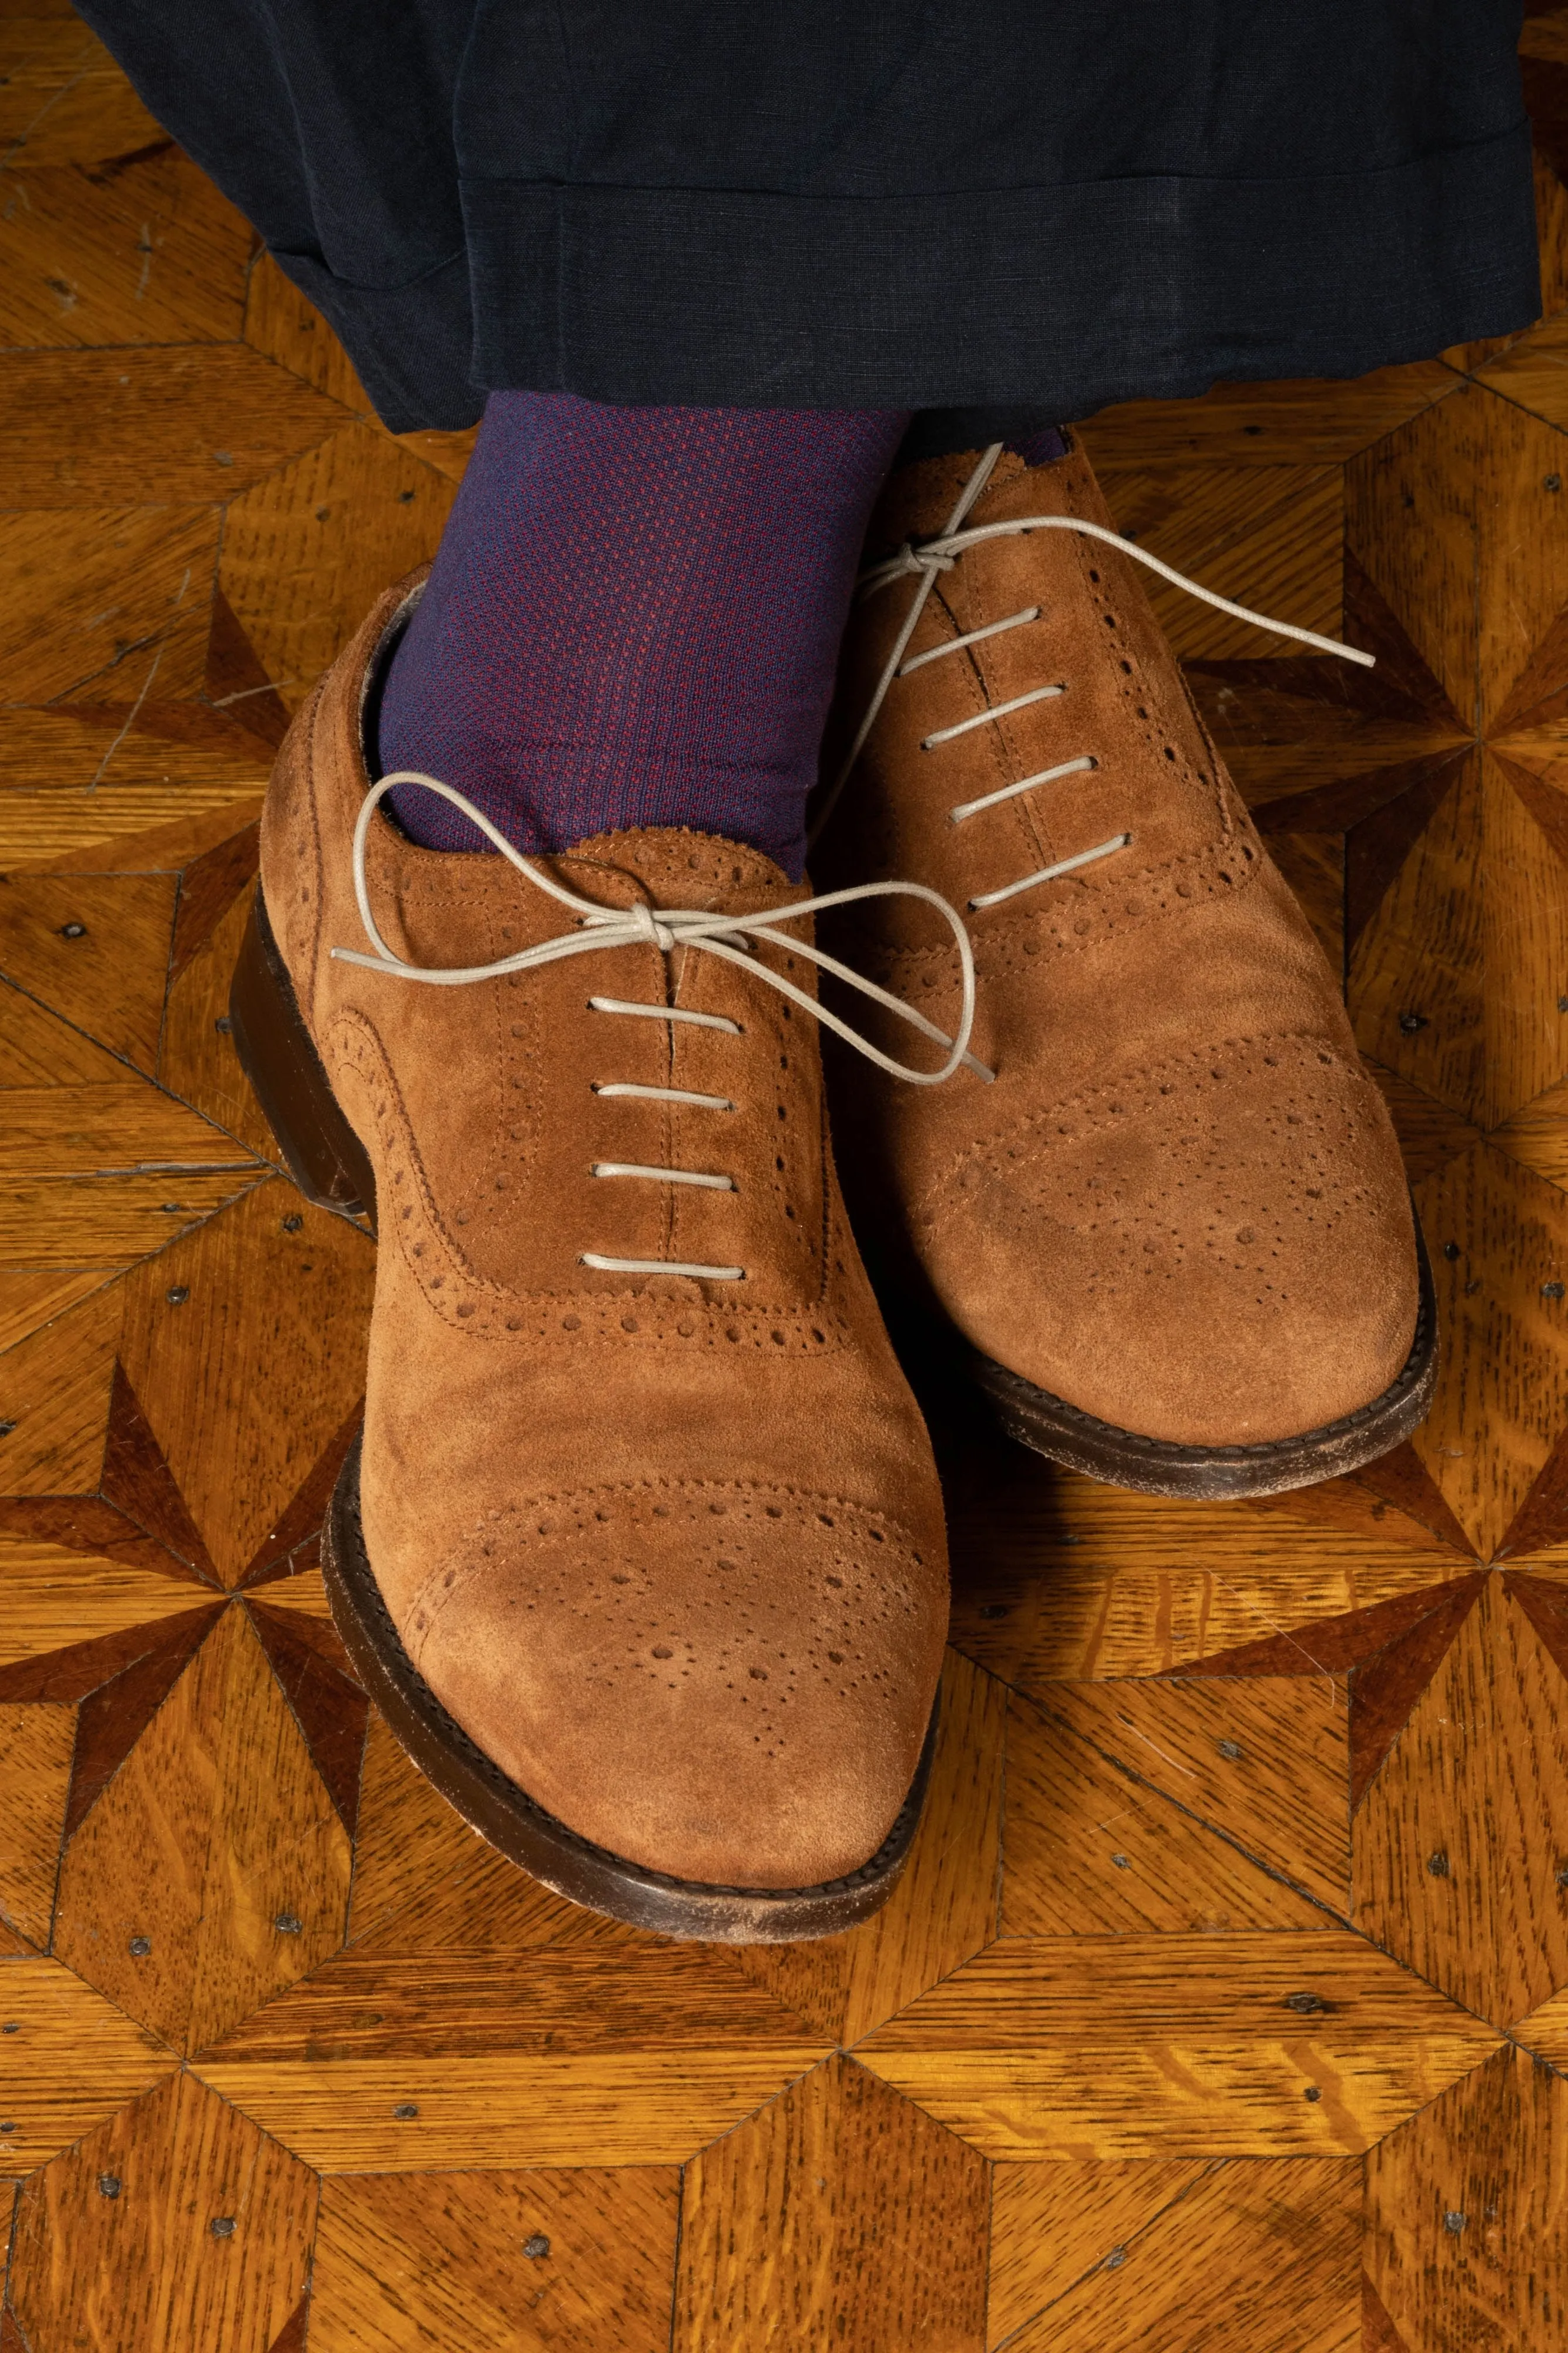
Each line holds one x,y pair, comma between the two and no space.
325,1157
1154,1466
329,1164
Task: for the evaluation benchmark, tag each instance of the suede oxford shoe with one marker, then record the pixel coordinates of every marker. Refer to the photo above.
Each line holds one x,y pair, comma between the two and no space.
1173,1239
641,1552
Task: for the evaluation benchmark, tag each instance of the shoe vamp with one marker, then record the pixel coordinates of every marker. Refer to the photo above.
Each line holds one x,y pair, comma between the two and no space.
1216,1255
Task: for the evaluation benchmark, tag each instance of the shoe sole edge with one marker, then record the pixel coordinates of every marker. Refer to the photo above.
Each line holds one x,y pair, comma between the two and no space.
325,1157
1156,1466
560,1858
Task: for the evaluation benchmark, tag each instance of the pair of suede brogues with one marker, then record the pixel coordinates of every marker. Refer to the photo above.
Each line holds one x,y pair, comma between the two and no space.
641,1549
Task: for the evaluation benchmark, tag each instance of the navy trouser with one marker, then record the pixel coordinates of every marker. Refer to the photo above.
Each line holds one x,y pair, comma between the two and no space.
1044,205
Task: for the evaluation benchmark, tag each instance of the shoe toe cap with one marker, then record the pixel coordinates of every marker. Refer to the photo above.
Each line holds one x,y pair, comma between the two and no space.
1226,1261
727,1685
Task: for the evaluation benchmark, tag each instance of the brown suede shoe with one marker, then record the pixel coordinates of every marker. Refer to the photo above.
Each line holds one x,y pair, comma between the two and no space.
1175,1233
642,1551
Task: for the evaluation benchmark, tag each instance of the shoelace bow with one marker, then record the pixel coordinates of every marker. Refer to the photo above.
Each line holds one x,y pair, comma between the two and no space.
729,937
928,560
726,937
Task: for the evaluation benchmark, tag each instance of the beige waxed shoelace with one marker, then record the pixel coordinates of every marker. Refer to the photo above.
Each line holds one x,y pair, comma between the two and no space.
927,561
729,937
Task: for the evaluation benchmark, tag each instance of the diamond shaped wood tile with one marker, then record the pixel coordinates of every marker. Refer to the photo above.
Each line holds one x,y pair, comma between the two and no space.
1149,2046
175,2221
1283,2234
838,2211
582,2261
1226,1998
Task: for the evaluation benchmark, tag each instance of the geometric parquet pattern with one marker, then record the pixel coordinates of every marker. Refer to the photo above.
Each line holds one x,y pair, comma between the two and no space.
1226,2002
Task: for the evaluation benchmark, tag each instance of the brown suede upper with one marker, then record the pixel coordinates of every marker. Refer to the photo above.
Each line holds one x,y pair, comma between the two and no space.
1181,1206
671,1551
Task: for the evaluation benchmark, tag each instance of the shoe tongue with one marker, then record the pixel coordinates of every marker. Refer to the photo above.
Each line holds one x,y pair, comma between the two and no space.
446,907
670,866
919,500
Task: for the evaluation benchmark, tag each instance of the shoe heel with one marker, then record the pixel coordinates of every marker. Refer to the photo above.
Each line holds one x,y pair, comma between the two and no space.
325,1157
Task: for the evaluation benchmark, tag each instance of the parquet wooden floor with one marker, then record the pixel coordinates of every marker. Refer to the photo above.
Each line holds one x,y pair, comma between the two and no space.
1226,2003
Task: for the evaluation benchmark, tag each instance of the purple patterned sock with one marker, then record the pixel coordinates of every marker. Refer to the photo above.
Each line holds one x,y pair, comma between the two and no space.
633,619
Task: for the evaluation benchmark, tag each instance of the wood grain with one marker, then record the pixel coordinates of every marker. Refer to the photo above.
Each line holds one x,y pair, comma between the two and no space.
145,2265
1283,2236
35,1746
307,551
556,2055
65,825
37,1048
150,415
280,322
68,2060
109,1221
1415,537
1428,1132
1091,1852
1392,1494
96,949
1094,2011
426,1882
1533,371
137,255
1052,2224
403,2263
1502,1385
109,1130
248,1375
1467,2212
115,1712
54,1396
62,98
1545,2031
1526,937
198,1061
448,452
840,2216
1180,2046
1536,1136
1259,424
330,1708
1416,976
1263,1760
1270,538
674,1997
409,1839
1056,1577
185,819
1379,833
177,1892
617,2107
93,595
137,1481
1385,1687
1465,1829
